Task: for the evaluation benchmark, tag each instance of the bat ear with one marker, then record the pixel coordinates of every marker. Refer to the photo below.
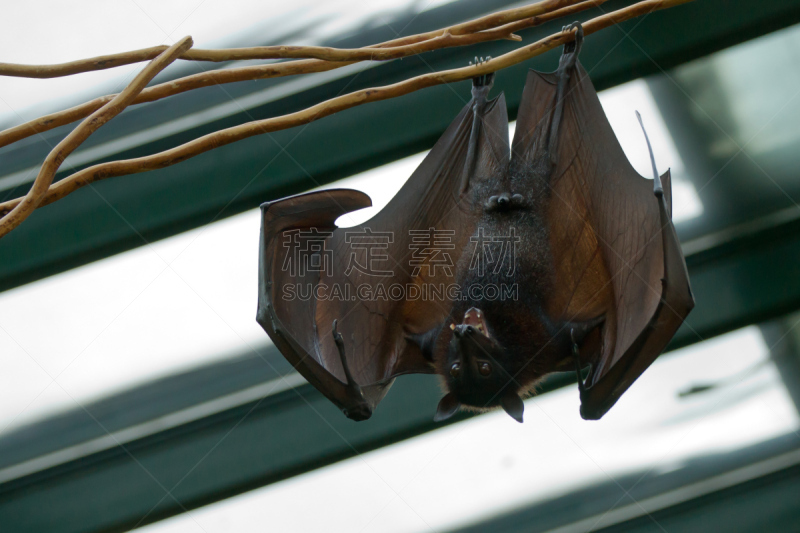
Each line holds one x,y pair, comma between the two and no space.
447,407
512,404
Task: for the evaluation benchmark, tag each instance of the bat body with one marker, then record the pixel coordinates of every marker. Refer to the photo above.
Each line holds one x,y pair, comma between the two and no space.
496,263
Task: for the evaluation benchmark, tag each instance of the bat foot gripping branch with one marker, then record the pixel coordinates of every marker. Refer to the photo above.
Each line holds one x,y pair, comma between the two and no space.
361,409
573,48
481,85
567,63
486,80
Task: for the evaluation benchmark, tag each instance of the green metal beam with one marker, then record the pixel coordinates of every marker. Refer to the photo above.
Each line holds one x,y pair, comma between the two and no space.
744,275
743,491
253,444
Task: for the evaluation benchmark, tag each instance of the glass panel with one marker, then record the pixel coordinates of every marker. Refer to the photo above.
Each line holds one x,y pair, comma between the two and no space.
733,117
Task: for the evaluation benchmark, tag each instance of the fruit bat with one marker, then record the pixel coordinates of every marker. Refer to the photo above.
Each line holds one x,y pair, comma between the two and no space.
493,266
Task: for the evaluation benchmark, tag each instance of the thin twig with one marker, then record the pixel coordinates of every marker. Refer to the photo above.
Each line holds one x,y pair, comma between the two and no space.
334,105
283,52
290,68
57,155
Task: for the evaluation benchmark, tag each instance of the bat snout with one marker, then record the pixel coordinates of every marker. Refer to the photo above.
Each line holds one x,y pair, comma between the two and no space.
459,331
464,331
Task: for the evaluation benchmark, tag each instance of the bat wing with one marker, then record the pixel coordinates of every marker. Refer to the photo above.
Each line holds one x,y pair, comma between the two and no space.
369,278
614,247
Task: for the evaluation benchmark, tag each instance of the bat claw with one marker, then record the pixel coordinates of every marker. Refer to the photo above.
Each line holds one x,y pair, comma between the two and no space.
485,80
577,356
578,331
358,409
574,47
358,412
337,337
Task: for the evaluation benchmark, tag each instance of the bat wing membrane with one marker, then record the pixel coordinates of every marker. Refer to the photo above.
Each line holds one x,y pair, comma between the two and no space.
375,320
614,247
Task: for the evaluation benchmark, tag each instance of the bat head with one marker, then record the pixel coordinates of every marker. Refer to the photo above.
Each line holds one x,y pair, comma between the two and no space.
475,374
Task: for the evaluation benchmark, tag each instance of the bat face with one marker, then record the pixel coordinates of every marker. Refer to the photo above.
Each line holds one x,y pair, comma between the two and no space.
486,367
474,372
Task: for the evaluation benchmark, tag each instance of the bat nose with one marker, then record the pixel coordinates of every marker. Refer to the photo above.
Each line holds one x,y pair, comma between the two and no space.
463,330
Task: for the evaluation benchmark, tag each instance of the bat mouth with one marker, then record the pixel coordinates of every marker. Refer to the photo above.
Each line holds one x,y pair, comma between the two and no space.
474,323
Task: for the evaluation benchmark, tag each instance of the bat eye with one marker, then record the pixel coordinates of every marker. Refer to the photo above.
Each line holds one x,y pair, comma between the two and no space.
455,370
485,369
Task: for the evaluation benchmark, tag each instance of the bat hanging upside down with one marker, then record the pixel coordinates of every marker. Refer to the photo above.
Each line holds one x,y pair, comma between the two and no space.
493,266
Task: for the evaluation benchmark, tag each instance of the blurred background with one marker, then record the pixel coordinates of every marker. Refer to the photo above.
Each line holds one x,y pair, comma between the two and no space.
137,390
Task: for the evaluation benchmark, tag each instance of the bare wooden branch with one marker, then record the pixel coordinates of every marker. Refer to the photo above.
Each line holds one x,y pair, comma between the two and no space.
16,210
57,155
217,77
282,52
334,105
